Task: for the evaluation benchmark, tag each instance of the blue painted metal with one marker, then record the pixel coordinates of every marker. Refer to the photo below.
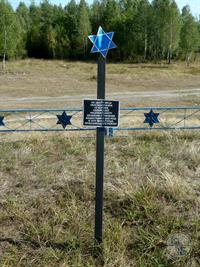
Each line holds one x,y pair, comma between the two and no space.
45,130
102,42
151,118
110,132
39,110
64,119
1,121
155,129
131,119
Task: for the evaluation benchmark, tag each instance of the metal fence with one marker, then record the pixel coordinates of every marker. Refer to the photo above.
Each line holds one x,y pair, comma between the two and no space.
131,119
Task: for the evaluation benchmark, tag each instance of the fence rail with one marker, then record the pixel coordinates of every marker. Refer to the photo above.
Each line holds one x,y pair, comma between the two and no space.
131,119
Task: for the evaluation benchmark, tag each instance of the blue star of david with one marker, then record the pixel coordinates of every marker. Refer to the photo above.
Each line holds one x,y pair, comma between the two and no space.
151,118
64,119
102,42
1,121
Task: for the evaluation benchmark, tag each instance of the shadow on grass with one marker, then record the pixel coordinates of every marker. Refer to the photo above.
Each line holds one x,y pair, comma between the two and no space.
35,244
96,251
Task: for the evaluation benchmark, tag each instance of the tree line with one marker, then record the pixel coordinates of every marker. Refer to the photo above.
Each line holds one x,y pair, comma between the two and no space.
143,30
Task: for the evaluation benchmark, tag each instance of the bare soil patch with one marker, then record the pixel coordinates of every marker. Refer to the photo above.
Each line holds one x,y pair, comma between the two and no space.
50,84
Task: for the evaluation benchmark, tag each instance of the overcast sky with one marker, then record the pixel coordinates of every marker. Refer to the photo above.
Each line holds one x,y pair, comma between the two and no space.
194,4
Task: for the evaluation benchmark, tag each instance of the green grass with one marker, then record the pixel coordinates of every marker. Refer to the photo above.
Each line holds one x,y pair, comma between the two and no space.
151,194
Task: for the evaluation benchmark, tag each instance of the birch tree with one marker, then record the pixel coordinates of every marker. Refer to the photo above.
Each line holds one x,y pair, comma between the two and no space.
189,36
9,32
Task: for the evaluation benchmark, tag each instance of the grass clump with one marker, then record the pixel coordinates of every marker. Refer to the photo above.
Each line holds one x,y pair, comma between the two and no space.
151,207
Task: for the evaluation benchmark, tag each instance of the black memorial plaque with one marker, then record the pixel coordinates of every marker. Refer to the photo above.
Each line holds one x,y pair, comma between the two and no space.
101,113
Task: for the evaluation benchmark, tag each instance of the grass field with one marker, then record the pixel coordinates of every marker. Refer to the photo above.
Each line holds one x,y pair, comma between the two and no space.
49,84
152,181
151,212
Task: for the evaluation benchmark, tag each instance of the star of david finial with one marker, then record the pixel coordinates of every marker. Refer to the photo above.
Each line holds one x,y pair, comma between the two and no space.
64,119
151,118
102,42
1,121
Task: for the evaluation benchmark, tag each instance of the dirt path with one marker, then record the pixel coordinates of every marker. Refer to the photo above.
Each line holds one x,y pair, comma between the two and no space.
126,98
60,84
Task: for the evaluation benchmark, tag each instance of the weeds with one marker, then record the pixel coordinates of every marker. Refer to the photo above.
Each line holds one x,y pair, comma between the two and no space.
151,197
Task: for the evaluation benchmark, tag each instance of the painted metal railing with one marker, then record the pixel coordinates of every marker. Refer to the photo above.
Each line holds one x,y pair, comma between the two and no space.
131,119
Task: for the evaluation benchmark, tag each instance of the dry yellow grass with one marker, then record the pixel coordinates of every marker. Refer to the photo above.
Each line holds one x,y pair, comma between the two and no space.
42,83
151,196
47,181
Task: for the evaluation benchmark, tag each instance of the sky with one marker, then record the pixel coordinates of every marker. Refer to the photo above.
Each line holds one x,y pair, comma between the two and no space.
194,4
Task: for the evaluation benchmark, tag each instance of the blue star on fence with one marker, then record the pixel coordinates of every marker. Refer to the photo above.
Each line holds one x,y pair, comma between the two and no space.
64,119
102,42
151,118
1,121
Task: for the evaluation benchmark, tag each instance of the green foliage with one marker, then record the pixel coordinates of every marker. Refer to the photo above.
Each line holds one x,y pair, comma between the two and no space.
11,40
144,30
83,28
166,21
190,36
72,27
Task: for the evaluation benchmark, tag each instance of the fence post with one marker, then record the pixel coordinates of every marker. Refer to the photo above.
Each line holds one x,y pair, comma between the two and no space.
110,132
